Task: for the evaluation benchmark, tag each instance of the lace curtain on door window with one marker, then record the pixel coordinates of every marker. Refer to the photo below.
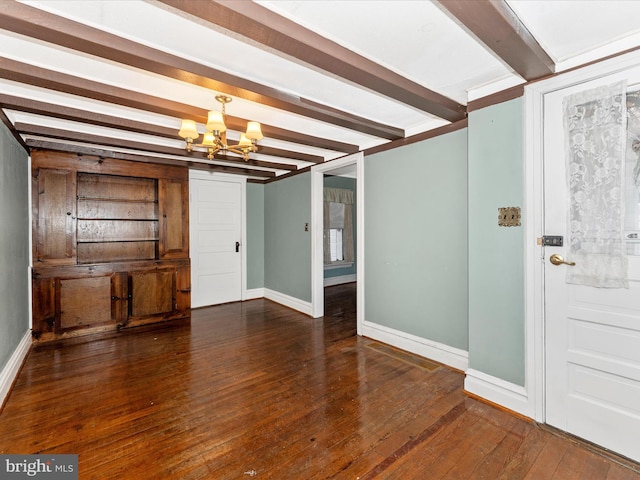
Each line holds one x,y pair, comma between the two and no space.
632,183
595,132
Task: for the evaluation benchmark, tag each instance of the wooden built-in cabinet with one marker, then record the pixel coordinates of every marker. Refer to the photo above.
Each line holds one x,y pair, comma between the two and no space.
111,244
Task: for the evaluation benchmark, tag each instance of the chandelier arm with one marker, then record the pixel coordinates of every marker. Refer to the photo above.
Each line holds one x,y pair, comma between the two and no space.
211,151
244,151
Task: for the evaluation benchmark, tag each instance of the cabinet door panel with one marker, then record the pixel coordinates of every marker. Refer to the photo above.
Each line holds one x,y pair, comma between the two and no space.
55,243
173,199
43,305
84,302
152,293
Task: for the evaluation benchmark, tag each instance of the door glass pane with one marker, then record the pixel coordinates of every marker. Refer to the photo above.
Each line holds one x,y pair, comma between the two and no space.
632,205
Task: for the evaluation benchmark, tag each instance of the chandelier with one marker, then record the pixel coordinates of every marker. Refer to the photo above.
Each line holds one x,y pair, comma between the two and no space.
215,138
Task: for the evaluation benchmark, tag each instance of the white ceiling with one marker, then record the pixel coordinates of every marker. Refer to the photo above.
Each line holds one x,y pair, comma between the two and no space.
418,40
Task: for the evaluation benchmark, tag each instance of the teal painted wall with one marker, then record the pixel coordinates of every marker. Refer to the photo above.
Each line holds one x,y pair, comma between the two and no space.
496,254
287,247
348,183
416,239
255,235
14,244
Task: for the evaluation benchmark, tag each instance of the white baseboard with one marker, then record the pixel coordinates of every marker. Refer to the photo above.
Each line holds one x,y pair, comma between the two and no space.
287,301
252,293
498,391
331,281
454,357
11,369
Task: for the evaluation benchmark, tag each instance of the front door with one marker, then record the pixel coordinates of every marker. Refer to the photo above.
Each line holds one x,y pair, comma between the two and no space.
216,237
592,334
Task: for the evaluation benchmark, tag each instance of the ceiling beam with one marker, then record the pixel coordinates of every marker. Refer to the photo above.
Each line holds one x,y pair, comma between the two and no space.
20,104
65,135
10,102
61,82
278,152
98,152
420,137
497,26
277,133
266,27
35,23
7,123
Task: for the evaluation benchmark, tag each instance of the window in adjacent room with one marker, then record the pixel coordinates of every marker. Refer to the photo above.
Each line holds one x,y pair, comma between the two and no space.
338,227
336,231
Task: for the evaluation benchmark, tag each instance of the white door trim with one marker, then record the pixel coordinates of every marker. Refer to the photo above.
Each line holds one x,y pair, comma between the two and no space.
242,181
317,244
533,217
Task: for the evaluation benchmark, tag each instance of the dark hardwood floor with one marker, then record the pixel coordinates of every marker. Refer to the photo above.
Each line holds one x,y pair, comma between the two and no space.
255,389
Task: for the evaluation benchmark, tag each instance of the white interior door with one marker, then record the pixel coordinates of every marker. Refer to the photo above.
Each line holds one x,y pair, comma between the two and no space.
216,241
592,335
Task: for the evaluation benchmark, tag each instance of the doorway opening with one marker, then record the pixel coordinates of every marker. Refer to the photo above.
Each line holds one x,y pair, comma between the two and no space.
338,174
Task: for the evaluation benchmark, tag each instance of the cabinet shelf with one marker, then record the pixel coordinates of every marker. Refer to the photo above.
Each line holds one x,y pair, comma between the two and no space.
116,200
124,240
117,219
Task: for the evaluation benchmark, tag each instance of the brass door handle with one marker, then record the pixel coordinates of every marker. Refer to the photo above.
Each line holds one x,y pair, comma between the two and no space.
558,260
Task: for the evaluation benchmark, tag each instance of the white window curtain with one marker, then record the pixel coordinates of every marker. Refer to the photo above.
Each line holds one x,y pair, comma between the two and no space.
338,213
595,132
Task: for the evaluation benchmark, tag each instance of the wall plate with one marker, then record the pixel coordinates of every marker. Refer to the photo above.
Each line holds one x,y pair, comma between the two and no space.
509,217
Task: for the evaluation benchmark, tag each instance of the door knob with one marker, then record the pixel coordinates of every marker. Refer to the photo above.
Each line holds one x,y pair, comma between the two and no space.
237,247
558,260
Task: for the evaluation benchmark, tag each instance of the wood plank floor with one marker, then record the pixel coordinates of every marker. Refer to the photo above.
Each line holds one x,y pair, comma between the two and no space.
254,389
